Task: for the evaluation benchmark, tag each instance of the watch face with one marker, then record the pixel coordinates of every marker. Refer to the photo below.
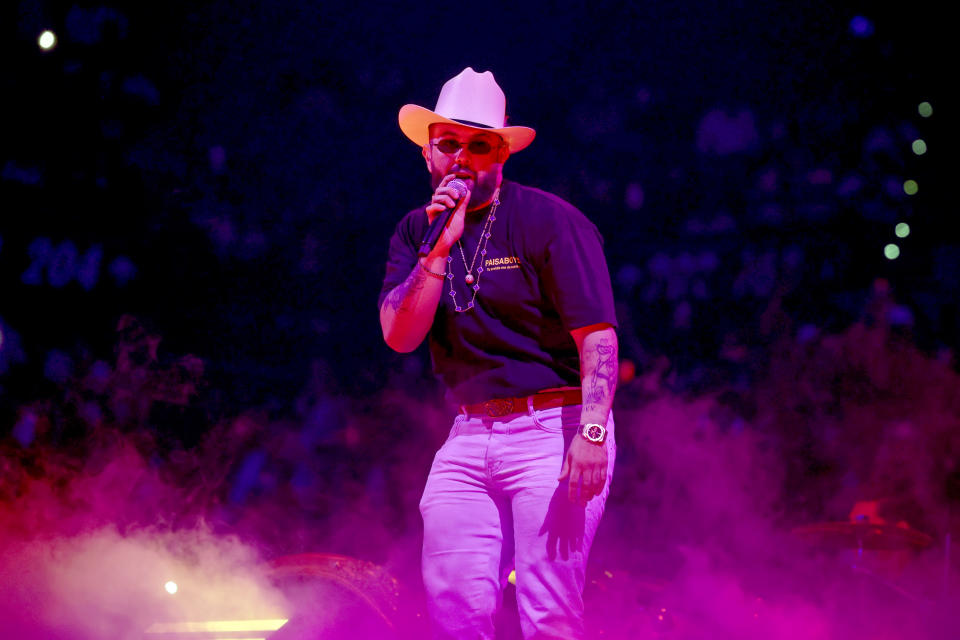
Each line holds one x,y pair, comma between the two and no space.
594,432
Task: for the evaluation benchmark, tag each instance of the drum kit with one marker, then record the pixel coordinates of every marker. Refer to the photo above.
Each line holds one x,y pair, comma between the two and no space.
862,536
897,584
336,596
860,578
852,555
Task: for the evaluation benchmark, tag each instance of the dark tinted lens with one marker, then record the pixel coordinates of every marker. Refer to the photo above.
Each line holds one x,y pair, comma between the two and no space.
479,147
448,145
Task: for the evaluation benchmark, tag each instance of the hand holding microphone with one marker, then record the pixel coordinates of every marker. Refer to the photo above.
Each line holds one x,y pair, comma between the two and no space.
450,198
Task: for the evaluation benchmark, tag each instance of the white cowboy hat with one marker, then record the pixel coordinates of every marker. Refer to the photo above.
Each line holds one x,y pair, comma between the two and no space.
472,99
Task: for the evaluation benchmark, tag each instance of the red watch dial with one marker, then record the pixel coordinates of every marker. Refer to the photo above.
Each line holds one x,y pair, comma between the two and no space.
594,433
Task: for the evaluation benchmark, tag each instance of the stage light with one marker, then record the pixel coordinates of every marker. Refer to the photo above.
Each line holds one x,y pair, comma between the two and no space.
861,26
512,578
47,40
919,147
891,251
925,109
218,626
171,587
910,187
1,337
902,230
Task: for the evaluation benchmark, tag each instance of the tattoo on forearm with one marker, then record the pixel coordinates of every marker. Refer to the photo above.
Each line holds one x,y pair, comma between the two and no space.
404,297
601,385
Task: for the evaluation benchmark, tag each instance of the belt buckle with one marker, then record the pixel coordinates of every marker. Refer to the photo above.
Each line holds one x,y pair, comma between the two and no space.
498,407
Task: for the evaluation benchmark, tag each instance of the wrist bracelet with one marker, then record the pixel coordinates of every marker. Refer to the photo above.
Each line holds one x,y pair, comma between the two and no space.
439,276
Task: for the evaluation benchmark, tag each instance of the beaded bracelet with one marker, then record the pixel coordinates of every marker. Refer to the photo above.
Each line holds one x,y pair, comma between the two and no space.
441,276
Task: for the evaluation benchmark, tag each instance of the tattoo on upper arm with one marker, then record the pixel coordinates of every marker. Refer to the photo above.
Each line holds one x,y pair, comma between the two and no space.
603,382
404,296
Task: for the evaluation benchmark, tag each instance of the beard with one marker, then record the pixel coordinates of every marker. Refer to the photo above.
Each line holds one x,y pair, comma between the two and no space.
482,184
482,190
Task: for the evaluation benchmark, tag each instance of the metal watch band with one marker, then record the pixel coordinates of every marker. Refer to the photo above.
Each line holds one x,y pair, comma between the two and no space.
593,432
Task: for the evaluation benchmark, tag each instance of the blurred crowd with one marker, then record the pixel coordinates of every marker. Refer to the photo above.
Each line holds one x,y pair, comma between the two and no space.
244,385
859,414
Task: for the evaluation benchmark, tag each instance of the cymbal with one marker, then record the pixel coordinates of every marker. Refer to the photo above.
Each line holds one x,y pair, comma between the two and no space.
366,580
862,535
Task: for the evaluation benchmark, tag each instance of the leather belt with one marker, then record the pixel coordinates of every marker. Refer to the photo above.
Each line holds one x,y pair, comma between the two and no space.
543,400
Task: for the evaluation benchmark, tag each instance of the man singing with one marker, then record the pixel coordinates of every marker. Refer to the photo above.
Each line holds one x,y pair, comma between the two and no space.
516,299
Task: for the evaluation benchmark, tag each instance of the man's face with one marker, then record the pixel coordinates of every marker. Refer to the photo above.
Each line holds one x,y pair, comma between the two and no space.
476,157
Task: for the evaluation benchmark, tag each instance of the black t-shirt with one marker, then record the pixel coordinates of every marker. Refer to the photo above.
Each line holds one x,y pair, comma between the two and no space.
544,275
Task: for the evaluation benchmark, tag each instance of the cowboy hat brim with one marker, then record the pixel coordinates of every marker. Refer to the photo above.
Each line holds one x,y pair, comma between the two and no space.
415,123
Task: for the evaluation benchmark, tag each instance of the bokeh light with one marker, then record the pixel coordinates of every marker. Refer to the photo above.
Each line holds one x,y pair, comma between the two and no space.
47,40
910,187
891,251
902,230
171,587
861,26
925,109
919,146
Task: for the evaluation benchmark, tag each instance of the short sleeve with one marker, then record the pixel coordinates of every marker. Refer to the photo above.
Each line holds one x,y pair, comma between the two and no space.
575,274
402,254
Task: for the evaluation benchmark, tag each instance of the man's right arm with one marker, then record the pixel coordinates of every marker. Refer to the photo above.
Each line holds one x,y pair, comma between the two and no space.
407,312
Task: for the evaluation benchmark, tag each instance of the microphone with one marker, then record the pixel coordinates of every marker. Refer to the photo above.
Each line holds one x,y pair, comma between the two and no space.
436,227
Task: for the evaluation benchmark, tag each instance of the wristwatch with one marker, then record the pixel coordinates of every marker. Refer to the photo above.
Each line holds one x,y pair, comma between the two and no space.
595,433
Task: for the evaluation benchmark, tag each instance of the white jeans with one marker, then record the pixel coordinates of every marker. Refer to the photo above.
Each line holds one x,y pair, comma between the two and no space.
492,502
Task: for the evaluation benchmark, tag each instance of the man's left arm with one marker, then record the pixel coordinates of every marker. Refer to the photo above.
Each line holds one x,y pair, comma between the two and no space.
585,462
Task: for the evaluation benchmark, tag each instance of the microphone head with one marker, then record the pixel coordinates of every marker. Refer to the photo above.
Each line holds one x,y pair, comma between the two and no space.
459,186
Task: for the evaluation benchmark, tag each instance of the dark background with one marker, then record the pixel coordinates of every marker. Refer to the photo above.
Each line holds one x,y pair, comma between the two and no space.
237,168
195,203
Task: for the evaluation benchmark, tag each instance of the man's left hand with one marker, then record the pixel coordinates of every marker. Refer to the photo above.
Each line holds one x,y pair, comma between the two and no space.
585,467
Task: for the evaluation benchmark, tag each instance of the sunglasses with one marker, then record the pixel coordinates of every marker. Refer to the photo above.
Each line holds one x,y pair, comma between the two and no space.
451,146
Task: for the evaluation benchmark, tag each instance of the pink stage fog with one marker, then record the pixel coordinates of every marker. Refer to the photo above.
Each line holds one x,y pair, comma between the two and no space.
813,505
89,552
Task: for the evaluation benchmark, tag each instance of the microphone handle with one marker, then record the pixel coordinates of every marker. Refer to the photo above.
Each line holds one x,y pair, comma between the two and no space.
433,232
436,227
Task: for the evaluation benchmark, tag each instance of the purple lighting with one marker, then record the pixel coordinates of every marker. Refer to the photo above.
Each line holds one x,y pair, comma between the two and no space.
861,27
214,427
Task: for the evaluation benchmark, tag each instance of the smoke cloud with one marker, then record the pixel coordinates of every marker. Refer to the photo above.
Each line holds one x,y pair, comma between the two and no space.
267,518
88,552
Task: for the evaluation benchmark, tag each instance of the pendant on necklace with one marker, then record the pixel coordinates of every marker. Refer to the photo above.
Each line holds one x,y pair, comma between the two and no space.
469,278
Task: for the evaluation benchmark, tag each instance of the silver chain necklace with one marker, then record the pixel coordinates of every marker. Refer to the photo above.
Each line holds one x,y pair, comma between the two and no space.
481,250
